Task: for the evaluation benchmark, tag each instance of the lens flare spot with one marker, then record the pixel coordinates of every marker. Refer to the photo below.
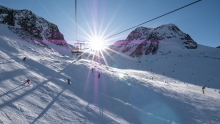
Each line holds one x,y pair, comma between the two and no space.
129,84
121,75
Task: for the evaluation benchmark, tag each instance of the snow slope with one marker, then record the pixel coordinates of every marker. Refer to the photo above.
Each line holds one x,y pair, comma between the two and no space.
125,92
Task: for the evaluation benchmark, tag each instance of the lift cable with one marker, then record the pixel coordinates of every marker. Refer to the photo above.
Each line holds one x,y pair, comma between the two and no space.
76,17
156,18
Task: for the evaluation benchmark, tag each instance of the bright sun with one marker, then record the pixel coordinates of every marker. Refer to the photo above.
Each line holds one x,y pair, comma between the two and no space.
97,43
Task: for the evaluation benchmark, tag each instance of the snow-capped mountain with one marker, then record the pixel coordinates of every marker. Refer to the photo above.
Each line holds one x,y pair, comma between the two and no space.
144,41
33,28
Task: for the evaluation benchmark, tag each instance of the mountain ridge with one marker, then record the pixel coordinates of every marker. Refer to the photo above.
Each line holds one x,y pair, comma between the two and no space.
144,41
32,28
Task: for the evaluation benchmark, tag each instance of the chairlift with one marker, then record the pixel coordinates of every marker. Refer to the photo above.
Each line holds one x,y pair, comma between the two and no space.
78,48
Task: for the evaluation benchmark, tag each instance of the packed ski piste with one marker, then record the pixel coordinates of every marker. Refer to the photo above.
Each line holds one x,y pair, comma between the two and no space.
40,85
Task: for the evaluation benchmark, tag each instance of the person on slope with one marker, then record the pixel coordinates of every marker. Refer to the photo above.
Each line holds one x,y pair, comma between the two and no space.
68,80
27,81
24,59
99,75
203,88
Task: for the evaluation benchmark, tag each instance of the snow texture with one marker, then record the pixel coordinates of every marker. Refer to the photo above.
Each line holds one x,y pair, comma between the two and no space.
164,88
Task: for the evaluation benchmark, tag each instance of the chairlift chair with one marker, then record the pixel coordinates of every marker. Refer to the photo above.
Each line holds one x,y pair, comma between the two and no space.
78,49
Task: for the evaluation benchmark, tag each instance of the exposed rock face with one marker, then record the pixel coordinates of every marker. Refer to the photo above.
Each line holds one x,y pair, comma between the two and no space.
31,27
218,47
189,42
144,41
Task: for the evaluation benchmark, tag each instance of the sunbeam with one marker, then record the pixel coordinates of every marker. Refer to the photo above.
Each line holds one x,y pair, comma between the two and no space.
45,8
96,37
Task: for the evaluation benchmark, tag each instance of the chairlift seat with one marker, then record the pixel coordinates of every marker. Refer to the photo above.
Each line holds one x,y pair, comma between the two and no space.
77,51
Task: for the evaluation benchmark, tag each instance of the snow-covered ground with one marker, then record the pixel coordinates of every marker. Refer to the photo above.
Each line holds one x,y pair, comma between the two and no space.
156,89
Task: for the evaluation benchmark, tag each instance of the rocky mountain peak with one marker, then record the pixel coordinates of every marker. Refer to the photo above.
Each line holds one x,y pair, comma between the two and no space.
31,27
144,41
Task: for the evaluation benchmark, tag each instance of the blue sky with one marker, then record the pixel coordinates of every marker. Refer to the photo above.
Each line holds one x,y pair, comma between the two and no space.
107,17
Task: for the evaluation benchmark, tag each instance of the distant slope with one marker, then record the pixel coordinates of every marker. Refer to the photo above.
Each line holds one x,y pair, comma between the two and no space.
165,51
35,29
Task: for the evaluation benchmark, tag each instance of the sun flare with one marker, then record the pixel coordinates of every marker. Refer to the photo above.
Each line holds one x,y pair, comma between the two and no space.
97,43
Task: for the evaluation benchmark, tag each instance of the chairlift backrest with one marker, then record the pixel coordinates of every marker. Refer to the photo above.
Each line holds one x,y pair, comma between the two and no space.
76,48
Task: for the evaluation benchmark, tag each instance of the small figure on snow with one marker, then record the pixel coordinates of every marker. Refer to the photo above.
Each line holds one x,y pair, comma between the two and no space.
27,81
68,80
99,76
203,88
24,59
92,69
41,59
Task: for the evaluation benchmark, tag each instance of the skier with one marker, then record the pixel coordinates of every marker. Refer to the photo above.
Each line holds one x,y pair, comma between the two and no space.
68,80
24,59
203,88
99,76
27,81
92,69
41,60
